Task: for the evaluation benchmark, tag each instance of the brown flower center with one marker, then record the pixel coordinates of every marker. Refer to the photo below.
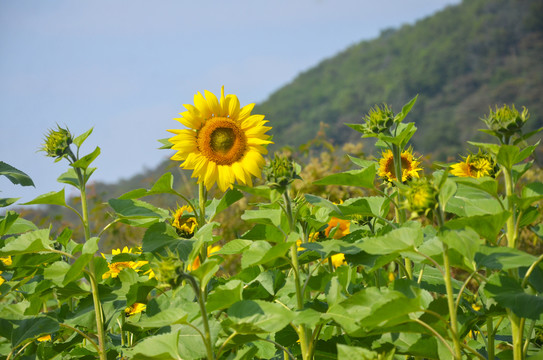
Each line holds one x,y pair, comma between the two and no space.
222,141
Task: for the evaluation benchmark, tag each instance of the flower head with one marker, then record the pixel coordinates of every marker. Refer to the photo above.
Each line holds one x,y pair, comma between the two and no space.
410,166
421,196
342,227
281,171
378,120
184,222
135,308
506,121
6,260
475,166
223,142
57,142
116,267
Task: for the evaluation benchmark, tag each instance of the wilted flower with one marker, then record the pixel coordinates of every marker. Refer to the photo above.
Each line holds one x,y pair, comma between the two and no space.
57,142
184,222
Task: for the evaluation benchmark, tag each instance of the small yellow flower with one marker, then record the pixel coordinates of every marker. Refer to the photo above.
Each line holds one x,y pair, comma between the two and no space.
116,267
135,308
343,227
184,223
6,260
1,279
338,260
196,263
410,166
474,166
44,338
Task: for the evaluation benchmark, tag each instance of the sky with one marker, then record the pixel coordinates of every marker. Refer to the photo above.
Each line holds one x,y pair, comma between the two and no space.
126,67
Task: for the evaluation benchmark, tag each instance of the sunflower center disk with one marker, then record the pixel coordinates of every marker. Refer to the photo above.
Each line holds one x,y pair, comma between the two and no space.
222,141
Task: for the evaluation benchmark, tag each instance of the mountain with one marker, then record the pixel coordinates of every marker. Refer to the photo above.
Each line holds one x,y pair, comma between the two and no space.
460,61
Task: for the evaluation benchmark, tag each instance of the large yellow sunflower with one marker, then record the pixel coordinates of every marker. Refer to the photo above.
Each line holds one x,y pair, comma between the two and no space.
223,142
410,166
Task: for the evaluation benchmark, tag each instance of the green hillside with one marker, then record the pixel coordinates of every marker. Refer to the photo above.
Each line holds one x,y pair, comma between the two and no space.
460,61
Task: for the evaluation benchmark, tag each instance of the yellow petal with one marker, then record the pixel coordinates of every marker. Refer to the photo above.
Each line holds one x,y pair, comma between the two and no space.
245,112
201,105
213,103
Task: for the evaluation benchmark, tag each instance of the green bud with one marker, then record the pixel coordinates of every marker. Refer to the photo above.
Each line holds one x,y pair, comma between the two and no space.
506,120
379,119
57,142
421,196
281,171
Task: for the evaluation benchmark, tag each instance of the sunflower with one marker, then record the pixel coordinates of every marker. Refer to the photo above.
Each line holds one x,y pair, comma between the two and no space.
135,308
6,260
410,166
343,227
223,142
44,338
184,223
116,267
475,166
196,263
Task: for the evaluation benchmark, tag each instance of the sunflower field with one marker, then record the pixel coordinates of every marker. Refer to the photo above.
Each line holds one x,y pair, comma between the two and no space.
415,261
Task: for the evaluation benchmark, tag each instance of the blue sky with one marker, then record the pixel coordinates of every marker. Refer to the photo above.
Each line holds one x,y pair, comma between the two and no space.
125,67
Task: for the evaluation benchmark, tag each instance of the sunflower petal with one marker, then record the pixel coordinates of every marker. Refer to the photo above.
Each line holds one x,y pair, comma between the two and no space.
213,103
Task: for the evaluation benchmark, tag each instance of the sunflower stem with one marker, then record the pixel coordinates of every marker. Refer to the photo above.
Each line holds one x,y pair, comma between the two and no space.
202,199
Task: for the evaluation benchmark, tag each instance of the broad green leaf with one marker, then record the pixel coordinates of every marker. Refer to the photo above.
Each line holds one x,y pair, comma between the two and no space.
157,347
362,162
30,242
163,185
165,317
85,161
485,183
345,352
491,148
51,198
205,271
90,248
525,153
237,246
14,175
56,272
508,293
69,177
366,206
361,178
224,295
487,226
309,317
469,201
33,328
129,208
404,134
264,232
78,141
166,144
263,216
261,252
216,206
446,192
531,193
465,241
162,238
397,240
507,156
255,316
318,201
326,247
503,258
20,226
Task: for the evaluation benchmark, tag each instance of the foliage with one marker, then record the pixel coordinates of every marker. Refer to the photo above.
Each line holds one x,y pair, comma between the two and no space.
430,266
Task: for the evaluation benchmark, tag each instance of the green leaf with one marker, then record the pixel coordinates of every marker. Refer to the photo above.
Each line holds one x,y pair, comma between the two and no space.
51,198
56,272
321,202
345,352
158,347
224,295
507,156
395,241
405,110
508,293
7,221
90,248
7,201
237,246
166,144
205,271
264,232
137,209
491,148
362,162
69,177
531,193
78,141
485,183
502,258
165,317
470,201
30,242
86,160
261,252
365,206
162,236
487,226
361,178
33,328
263,216
405,133
465,241
14,175
216,206
256,316
164,185
446,192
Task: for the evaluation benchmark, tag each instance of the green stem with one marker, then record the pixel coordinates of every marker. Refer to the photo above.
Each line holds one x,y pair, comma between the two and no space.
510,225
202,198
490,338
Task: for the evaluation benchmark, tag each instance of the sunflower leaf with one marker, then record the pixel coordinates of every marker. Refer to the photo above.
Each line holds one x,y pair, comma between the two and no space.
78,141
14,175
361,178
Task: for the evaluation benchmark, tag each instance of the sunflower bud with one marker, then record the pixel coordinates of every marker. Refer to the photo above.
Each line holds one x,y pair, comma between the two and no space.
281,171
506,121
166,268
421,196
378,120
57,142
